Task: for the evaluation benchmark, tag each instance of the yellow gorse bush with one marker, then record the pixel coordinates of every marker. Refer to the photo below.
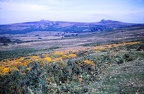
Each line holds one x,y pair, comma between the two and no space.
28,69
72,55
5,71
57,59
58,53
64,56
48,59
9,65
88,62
1,69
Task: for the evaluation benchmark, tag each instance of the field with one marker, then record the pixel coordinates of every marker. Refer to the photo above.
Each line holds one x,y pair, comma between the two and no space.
73,63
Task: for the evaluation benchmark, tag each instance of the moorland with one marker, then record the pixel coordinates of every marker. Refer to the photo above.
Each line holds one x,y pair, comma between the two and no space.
56,57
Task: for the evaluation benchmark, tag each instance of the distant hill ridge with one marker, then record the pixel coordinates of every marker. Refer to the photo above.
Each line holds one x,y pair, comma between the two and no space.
62,26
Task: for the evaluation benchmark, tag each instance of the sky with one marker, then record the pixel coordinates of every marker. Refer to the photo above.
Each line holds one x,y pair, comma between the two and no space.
16,11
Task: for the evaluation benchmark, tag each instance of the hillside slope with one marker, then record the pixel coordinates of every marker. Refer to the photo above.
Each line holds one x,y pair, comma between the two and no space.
45,25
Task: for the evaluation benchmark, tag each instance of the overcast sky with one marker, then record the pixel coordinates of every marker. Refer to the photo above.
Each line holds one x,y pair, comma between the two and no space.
15,11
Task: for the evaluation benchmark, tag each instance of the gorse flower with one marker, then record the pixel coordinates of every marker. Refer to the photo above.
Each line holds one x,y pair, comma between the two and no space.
5,71
72,55
48,59
58,53
57,56
88,62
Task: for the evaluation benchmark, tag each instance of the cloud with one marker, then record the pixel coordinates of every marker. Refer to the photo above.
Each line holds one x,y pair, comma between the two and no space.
52,2
23,7
71,10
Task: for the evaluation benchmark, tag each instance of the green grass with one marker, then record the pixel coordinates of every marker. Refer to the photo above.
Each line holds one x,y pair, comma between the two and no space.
24,52
123,79
15,53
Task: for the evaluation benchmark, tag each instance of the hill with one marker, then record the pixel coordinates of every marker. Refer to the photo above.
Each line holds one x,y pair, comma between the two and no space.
62,26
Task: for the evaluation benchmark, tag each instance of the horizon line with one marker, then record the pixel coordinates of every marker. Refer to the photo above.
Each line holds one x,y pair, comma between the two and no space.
70,21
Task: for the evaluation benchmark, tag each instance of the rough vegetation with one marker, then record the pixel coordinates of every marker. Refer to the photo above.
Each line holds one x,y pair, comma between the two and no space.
104,69
54,57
